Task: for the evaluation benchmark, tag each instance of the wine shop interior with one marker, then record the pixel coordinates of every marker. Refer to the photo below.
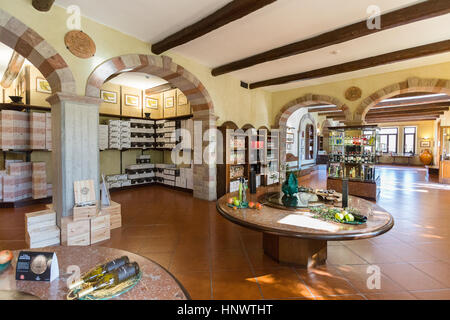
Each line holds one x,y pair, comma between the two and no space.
225,150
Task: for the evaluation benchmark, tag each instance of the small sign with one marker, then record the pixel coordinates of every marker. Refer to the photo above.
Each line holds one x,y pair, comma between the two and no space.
37,266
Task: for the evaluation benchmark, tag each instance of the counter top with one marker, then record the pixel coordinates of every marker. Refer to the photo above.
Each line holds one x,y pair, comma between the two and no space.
156,283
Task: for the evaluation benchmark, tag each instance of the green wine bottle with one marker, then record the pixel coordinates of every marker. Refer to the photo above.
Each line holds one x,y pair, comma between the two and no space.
98,272
112,279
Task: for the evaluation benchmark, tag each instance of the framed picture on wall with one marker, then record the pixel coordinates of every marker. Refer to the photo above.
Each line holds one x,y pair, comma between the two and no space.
108,96
43,86
169,102
151,103
425,144
131,100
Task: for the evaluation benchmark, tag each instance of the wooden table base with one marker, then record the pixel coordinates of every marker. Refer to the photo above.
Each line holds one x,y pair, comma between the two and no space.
295,251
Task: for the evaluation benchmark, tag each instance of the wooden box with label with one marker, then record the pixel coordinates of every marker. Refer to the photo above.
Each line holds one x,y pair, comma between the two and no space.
85,202
75,233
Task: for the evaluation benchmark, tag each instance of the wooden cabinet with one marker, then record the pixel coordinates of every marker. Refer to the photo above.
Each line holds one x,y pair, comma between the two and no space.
110,95
183,105
131,102
153,104
170,103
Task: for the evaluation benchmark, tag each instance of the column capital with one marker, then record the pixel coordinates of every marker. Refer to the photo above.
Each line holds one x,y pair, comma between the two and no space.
65,97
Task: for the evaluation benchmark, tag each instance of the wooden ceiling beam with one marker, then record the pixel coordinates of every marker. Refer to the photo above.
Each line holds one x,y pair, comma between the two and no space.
411,107
12,71
159,89
424,10
414,101
405,119
406,109
401,55
333,113
405,114
323,109
232,11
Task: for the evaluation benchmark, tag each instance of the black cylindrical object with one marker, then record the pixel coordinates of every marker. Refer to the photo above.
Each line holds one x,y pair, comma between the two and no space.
252,182
344,193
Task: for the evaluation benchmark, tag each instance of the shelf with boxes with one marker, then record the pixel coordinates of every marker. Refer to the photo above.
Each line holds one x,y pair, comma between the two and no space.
250,154
24,132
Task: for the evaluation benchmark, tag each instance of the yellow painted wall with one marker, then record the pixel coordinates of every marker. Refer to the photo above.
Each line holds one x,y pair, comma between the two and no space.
425,129
231,102
368,85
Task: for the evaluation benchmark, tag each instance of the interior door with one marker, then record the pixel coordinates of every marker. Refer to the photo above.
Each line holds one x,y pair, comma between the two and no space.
444,168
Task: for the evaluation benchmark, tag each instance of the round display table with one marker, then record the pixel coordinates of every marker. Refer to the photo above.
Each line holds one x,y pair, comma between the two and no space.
293,236
156,283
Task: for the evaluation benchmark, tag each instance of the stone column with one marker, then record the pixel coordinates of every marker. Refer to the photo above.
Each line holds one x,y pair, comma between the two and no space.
75,153
205,144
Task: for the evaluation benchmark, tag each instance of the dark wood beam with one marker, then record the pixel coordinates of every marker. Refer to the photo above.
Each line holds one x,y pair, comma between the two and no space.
414,101
160,88
413,106
404,114
232,11
404,119
42,5
336,117
411,53
323,109
12,71
426,107
414,13
412,94
332,113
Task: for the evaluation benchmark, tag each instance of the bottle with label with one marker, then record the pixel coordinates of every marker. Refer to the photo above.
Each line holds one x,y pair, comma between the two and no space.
112,279
100,271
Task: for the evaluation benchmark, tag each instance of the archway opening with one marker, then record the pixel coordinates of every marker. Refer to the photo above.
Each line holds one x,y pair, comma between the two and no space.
181,85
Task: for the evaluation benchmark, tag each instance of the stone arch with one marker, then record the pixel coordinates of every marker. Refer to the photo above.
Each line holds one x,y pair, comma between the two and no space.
205,180
30,45
289,108
160,66
409,85
306,117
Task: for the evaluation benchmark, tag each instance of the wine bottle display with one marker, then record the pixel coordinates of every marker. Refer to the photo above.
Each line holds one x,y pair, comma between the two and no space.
112,279
98,272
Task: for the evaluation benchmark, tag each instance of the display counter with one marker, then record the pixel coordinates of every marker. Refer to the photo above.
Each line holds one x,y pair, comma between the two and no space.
156,282
293,236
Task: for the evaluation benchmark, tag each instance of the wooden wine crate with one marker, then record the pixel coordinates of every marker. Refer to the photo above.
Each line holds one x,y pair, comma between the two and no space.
43,237
85,212
75,233
84,192
39,219
115,213
100,228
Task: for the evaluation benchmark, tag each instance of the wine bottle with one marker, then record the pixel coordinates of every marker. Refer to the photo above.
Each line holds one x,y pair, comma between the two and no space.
112,279
101,270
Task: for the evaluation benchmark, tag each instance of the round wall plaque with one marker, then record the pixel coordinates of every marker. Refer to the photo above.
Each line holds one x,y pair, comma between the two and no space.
80,44
353,93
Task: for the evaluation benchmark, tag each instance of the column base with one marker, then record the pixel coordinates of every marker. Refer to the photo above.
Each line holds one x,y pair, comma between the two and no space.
294,251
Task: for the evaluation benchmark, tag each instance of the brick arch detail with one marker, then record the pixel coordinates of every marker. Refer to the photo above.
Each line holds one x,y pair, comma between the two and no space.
307,100
160,66
29,44
304,101
409,85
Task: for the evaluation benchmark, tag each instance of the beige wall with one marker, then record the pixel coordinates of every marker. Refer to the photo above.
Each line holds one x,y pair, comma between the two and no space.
425,129
368,85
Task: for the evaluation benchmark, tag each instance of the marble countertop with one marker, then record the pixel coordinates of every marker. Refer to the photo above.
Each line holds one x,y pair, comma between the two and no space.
156,283
300,224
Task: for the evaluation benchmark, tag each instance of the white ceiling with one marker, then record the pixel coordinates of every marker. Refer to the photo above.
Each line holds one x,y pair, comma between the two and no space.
138,80
277,24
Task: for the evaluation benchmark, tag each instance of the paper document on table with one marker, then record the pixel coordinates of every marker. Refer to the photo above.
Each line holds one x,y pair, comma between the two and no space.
308,222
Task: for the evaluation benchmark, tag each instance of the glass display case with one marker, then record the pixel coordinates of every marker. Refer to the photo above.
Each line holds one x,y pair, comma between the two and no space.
353,156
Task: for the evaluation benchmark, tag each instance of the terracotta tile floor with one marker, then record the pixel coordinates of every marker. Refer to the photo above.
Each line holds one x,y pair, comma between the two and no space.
216,259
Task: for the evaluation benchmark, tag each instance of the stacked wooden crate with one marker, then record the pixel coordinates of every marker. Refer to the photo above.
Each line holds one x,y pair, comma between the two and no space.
17,182
41,230
37,130
39,180
48,131
88,225
115,214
